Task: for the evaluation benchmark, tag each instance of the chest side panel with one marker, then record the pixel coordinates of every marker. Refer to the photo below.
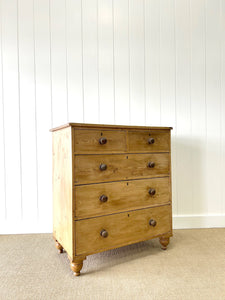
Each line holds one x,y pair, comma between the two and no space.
62,188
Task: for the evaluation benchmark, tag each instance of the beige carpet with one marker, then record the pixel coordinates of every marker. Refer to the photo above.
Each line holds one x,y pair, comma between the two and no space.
193,267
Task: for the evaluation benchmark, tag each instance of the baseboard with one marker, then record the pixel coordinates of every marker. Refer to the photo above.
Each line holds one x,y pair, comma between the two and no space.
198,221
21,228
179,222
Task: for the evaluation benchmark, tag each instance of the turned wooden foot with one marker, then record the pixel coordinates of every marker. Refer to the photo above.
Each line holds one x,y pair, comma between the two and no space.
58,246
164,241
76,265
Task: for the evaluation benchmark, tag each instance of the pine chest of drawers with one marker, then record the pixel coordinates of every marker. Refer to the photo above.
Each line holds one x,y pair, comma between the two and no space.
111,188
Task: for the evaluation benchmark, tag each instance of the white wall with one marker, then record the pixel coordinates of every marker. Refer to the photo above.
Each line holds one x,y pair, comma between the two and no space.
144,62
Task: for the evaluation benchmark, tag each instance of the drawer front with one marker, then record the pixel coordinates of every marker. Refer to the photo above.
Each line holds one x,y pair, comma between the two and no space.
149,141
121,229
106,198
99,141
120,167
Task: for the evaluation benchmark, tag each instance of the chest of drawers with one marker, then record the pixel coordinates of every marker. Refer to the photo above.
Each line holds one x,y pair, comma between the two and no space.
111,188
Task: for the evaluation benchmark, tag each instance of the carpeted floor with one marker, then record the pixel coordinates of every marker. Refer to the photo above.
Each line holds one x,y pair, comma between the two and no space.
193,267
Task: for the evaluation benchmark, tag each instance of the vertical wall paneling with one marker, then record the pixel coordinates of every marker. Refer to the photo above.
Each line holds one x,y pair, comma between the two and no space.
198,108
222,37
167,63
27,104
106,60
43,112
2,137
90,61
137,70
152,62
121,60
213,104
167,79
183,107
11,97
59,62
74,60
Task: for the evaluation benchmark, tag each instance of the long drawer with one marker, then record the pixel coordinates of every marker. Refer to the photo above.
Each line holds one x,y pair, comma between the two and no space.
106,198
103,168
103,233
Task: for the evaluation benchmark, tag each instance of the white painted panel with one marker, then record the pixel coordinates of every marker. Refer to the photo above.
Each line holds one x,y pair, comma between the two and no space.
222,16
90,61
167,80
11,111
43,113
213,105
2,132
74,60
27,110
106,60
198,108
58,62
137,60
122,69
152,61
167,63
183,108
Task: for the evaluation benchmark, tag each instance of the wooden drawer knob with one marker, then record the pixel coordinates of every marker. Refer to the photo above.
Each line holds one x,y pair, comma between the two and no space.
102,141
151,164
103,198
103,167
151,141
104,233
152,192
152,222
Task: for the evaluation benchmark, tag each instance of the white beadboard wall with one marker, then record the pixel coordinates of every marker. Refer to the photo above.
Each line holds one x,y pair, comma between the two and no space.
143,62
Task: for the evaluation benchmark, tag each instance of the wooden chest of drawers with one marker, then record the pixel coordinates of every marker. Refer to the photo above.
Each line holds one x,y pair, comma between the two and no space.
111,188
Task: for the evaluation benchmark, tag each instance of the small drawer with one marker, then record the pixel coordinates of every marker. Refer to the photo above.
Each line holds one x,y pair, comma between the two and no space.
107,232
99,141
103,168
106,198
148,141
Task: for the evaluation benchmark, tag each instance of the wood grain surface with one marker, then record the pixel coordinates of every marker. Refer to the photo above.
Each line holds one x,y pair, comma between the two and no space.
62,189
123,229
87,141
138,141
119,167
121,196
107,126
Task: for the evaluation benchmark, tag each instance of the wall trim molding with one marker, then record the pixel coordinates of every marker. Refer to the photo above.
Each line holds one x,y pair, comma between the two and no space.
198,221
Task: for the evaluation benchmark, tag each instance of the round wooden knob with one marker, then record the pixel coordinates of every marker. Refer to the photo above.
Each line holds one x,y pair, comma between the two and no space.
151,141
102,141
104,233
151,164
152,192
103,198
103,167
152,222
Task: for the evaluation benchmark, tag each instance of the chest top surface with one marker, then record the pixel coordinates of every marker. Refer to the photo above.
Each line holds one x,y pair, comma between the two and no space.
95,126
